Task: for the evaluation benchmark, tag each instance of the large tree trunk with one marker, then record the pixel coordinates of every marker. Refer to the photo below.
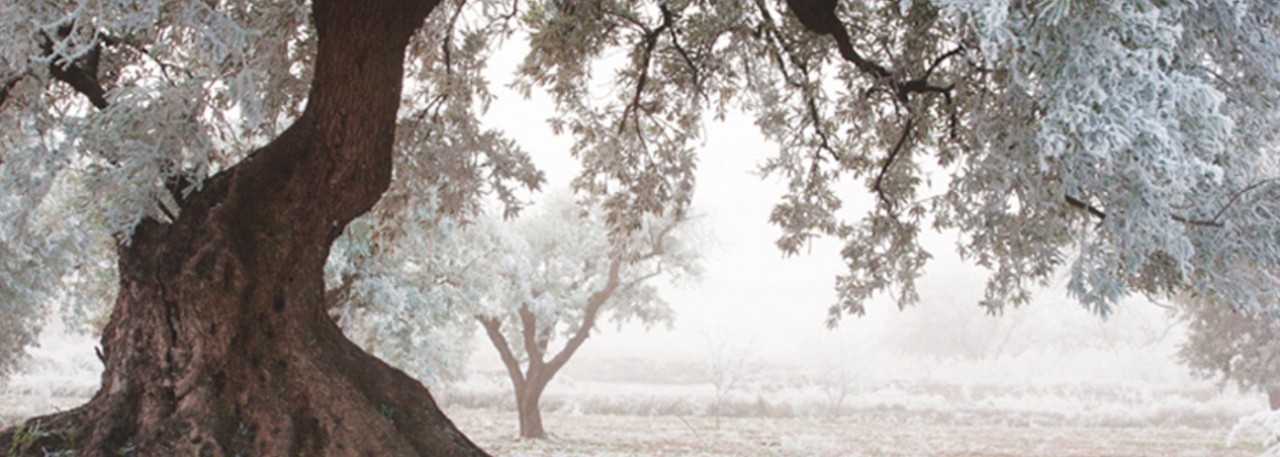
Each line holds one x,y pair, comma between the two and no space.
219,343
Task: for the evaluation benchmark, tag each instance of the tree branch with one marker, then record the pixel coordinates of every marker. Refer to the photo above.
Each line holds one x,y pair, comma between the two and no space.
889,161
113,41
650,42
602,296
641,279
332,296
659,246
1095,212
594,303
1102,215
942,58
684,54
819,16
804,85
493,327
1217,217
81,74
529,325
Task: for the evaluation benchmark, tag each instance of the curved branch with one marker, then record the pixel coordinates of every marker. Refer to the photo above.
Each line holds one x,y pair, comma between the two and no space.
650,43
493,328
888,163
81,74
1217,217
684,54
819,16
1092,210
594,303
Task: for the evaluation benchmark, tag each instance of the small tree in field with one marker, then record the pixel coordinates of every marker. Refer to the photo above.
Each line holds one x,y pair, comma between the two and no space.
838,369
560,276
731,363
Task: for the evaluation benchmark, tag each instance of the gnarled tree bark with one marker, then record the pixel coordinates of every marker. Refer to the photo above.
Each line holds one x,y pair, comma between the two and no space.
219,343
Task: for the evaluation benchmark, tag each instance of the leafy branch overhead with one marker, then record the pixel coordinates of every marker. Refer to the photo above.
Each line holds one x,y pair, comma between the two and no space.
1121,140
1127,143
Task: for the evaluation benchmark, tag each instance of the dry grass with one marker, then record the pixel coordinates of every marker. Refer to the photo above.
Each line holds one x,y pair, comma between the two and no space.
617,436
593,435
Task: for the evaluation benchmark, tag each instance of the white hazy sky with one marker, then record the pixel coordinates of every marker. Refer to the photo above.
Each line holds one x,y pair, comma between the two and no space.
748,287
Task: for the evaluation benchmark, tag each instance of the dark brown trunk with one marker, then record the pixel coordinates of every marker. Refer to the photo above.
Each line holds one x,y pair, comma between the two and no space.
1273,397
219,343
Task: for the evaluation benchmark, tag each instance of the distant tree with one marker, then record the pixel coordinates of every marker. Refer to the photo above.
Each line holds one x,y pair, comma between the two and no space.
838,369
1234,345
730,364
561,276
950,330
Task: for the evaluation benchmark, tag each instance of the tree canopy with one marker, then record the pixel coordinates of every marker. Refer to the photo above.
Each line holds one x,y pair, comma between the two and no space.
226,144
1131,142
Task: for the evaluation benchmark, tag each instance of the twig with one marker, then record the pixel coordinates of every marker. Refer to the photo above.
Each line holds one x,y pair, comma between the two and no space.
690,426
650,42
889,161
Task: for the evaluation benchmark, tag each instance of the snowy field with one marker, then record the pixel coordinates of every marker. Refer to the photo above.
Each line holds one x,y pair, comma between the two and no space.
627,435
897,419
596,435
1013,406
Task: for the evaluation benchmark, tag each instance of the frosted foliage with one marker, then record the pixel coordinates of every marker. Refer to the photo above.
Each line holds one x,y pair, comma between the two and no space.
412,298
443,148
108,112
406,298
186,93
1128,142
1141,168
561,266
59,267
634,136
1258,428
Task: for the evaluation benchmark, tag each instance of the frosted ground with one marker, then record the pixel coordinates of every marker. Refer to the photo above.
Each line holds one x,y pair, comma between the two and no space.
645,406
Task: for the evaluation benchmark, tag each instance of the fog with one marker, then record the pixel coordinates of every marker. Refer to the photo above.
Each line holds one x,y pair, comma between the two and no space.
751,291
945,362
